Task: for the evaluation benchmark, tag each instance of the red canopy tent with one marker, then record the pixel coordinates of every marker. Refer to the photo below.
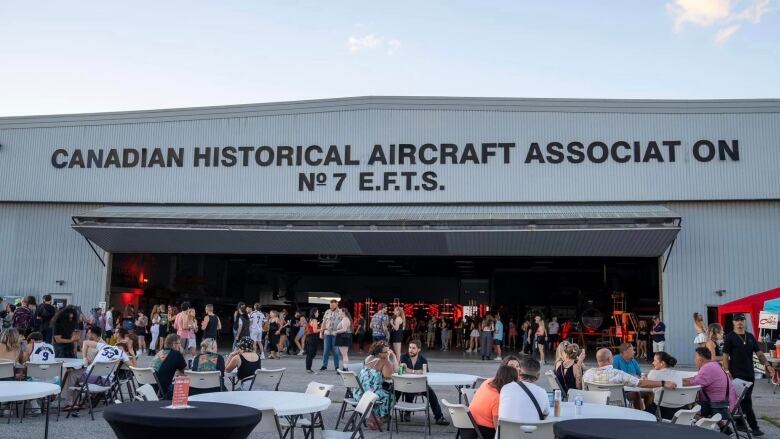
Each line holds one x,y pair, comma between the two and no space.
747,305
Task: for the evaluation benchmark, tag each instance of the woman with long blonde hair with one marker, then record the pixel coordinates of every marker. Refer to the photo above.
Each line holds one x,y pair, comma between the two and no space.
155,330
541,337
715,341
701,330
397,332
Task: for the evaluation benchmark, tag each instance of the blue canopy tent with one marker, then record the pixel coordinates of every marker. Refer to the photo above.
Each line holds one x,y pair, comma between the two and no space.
772,306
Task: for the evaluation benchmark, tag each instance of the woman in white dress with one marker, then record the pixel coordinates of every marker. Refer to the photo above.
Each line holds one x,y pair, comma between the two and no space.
701,330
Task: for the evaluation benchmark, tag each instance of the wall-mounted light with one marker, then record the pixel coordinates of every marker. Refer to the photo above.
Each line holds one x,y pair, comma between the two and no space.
720,293
59,282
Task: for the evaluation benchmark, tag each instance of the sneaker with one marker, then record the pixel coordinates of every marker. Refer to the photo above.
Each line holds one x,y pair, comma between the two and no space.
442,421
309,371
299,353
262,356
756,432
498,358
323,368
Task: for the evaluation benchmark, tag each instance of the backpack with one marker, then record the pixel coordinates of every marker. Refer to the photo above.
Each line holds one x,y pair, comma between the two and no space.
23,319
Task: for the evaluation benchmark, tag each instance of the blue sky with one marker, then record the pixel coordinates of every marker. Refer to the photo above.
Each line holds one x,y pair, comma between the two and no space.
85,56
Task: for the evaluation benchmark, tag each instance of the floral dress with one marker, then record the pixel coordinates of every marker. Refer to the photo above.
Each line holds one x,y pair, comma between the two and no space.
372,380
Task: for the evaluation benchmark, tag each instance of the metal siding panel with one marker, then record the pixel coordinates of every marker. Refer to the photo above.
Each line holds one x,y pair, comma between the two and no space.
728,246
40,248
27,175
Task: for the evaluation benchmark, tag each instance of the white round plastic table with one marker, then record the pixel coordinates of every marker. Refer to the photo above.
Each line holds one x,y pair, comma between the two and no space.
11,391
291,405
598,411
458,380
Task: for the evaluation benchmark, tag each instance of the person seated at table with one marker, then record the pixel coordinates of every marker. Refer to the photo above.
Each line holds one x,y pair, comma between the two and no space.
605,373
626,361
373,377
89,346
11,351
122,336
167,362
523,400
568,370
37,350
244,360
105,353
717,394
414,362
484,405
663,364
208,361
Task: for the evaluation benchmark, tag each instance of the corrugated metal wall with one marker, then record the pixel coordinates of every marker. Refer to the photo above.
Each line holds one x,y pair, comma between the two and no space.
38,247
732,246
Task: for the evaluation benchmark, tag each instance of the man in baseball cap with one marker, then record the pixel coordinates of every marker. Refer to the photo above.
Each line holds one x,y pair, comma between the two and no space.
738,349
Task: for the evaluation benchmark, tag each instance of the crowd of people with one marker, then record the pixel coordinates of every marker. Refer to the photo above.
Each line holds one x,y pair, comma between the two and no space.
42,333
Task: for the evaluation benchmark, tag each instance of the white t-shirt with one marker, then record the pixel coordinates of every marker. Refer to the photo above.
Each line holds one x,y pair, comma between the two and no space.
515,405
552,328
42,353
107,353
109,321
609,375
256,318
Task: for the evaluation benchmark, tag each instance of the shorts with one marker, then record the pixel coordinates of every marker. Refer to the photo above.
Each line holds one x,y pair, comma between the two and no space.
256,335
497,341
344,340
474,333
188,343
540,340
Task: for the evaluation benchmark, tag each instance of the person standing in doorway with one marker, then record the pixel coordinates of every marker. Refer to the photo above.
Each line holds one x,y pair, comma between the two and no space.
701,330
430,337
738,349
165,325
330,322
512,335
141,322
155,330
397,330
109,322
498,337
658,334
312,332
256,321
445,334
43,316
642,337
344,337
540,337
486,337
241,324
211,326
552,334
379,322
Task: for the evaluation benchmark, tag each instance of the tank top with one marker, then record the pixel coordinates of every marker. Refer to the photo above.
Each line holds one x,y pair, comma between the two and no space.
211,328
566,377
247,368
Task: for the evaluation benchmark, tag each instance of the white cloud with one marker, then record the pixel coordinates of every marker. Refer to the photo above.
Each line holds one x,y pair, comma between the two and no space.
356,44
699,12
724,34
372,42
728,15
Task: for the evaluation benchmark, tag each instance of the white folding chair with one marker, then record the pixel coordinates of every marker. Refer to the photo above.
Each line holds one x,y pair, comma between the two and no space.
461,418
411,385
468,395
685,417
479,381
552,381
205,380
266,379
146,393
526,430
616,394
590,396
86,389
351,382
681,397
354,426
147,376
47,372
6,370
710,423
309,425
354,367
740,387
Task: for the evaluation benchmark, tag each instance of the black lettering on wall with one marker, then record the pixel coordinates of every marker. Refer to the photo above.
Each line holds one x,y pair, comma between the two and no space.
703,151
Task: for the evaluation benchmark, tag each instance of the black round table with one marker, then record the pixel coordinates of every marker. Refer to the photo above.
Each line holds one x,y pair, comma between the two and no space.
621,429
207,420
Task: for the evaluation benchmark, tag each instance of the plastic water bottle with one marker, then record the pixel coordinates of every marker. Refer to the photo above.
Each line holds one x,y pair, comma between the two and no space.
578,405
